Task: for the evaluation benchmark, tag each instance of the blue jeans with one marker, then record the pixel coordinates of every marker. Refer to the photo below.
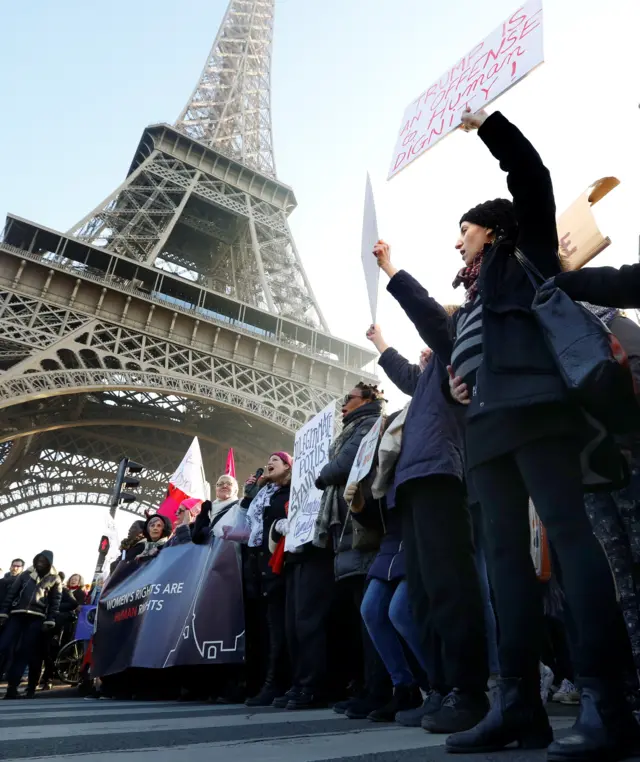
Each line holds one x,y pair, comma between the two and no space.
489,614
386,612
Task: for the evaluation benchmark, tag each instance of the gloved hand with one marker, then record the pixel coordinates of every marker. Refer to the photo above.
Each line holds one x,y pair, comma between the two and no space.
48,625
320,484
282,527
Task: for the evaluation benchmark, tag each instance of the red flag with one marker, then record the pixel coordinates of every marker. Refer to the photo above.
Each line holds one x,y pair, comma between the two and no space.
187,482
230,470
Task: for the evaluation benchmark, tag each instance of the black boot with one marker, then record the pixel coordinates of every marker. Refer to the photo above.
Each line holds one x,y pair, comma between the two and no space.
412,718
605,730
268,694
404,697
459,711
305,699
516,716
12,693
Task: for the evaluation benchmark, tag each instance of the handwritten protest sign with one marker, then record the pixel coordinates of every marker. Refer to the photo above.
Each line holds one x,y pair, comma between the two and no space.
507,55
369,238
578,233
366,452
310,453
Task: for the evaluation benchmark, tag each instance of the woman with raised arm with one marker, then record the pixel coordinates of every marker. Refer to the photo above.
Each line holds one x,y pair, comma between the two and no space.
524,439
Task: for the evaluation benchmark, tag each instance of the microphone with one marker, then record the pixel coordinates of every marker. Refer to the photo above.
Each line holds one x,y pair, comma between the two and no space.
259,473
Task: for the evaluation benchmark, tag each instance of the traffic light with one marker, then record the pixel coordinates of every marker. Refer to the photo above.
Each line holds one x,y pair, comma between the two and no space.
104,545
127,480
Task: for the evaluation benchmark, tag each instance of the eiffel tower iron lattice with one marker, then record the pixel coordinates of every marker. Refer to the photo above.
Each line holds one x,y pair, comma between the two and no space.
178,307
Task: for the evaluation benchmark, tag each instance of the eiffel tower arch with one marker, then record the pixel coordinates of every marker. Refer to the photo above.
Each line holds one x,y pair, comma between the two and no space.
178,307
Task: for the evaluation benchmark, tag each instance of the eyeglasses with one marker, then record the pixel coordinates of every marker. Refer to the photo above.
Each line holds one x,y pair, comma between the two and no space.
219,485
350,397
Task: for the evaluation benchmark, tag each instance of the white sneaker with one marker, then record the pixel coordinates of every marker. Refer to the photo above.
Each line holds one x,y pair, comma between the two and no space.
566,693
546,681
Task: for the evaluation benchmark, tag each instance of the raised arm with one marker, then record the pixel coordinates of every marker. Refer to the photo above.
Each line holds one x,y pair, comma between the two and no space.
530,185
603,285
430,318
400,371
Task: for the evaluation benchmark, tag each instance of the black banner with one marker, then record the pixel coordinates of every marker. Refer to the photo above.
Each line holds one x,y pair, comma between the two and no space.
182,608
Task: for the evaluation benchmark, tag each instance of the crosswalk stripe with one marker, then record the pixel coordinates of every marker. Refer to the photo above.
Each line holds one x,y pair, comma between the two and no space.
124,707
376,739
30,732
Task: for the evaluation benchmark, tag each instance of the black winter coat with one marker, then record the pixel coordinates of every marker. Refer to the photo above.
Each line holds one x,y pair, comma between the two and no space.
5,584
603,285
30,594
518,369
336,471
258,577
349,562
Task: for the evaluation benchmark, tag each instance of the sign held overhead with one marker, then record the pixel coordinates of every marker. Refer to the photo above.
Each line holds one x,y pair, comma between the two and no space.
507,55
369,240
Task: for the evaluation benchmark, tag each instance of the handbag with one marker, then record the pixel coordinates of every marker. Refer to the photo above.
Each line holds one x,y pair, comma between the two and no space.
591,360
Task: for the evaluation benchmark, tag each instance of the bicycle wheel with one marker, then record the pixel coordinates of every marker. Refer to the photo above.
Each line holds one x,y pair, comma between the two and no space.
69,662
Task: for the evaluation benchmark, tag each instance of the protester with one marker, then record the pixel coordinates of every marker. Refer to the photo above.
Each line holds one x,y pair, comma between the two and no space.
157,531
30,607
17,567
209,519
262,586
75,586
386,610
73,596
354,552
523,439
134,537
430,495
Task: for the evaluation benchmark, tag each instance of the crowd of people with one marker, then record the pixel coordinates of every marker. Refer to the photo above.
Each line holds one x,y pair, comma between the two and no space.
38,611
418,591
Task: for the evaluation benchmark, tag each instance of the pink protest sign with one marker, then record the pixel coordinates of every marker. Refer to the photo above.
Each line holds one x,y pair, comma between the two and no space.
507,55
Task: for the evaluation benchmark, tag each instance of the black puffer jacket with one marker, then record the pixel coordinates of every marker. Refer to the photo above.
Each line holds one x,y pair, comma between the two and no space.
32,594
350,561
336,471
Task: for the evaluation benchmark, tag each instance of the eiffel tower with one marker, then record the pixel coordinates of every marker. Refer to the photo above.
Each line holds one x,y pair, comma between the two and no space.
178,307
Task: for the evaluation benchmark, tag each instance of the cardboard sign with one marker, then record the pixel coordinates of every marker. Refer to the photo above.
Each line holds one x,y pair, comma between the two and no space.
369,238
507,55
578,233
366,452
310,454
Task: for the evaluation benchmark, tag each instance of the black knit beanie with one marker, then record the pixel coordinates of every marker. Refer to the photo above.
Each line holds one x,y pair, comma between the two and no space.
498,215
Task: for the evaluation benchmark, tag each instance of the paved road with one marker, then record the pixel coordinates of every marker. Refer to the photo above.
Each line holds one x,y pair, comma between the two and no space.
116,731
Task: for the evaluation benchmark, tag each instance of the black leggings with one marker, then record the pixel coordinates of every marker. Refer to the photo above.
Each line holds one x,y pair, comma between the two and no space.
548,470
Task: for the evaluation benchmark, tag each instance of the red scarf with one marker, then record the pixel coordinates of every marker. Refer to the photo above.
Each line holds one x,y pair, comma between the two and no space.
468,277
276,562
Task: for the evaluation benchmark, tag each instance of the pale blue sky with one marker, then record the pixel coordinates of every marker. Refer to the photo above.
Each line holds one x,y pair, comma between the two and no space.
80,80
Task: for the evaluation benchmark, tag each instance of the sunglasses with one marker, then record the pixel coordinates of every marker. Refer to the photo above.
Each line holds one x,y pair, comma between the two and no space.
350,397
